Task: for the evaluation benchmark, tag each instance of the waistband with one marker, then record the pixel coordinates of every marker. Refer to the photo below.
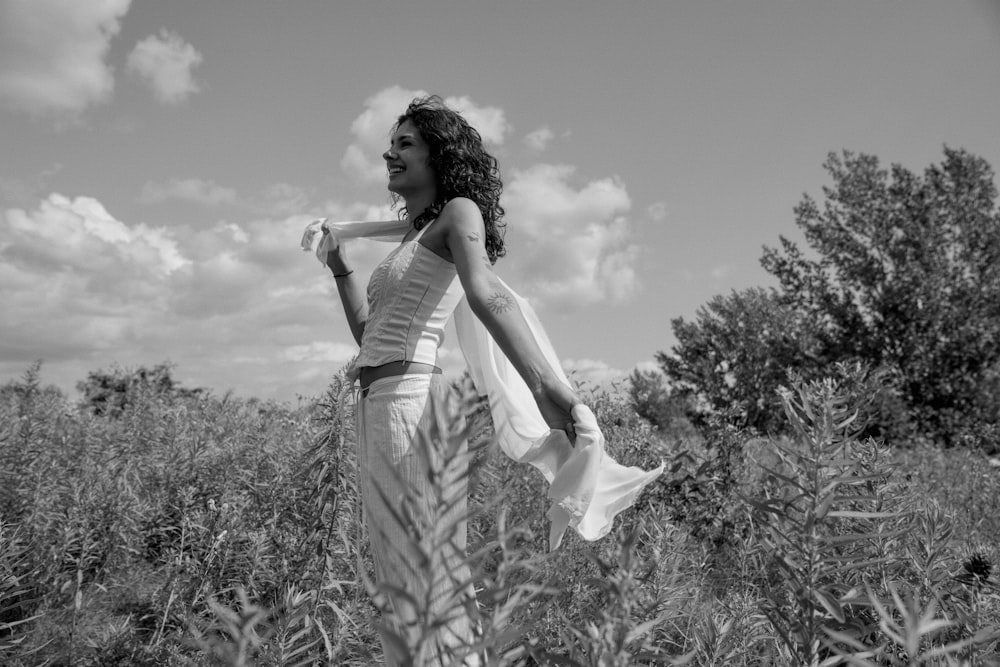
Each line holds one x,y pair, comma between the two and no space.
369,374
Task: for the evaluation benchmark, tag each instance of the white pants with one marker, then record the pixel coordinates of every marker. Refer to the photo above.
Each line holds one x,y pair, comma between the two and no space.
414,490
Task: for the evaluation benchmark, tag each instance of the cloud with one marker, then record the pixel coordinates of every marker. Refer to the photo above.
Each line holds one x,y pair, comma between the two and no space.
573,247
69,234
74,278
52,53
284,199
489,121
592,373
371,129
321,351
165,62
83,289
188,189
538,140
657,211
277,199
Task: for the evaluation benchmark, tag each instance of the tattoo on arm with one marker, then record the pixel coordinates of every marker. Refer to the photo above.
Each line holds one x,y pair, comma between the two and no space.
472,237
486,262
499,303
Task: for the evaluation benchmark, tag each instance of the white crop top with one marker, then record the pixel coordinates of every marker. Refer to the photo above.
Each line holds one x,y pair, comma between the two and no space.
411,296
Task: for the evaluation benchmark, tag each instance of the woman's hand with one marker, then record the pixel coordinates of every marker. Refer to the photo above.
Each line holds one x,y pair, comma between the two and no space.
555,401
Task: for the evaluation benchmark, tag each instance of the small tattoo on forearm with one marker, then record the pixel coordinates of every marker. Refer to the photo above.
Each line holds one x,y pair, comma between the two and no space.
499,303
486,262
473,237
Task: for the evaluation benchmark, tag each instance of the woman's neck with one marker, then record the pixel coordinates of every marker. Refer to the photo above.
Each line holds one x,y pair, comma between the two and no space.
417,204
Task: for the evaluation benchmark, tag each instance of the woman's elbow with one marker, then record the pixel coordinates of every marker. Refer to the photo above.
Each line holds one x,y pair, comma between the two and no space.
478,303
359,332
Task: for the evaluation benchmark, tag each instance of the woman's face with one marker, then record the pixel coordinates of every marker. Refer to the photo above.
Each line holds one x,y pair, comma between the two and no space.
406,161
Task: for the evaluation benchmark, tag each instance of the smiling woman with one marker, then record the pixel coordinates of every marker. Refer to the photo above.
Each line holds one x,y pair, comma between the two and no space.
451,236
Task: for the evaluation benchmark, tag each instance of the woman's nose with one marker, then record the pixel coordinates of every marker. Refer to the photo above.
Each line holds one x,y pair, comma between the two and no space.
388,155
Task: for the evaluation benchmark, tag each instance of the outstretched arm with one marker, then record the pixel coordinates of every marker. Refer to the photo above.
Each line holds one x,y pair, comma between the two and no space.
496,307
351,294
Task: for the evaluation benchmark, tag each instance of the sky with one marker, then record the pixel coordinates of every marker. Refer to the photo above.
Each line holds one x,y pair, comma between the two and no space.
159,160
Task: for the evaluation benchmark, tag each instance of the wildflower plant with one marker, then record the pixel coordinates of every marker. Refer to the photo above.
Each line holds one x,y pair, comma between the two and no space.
823,521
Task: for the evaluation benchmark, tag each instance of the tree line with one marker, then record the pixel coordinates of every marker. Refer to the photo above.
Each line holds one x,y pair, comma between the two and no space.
900,278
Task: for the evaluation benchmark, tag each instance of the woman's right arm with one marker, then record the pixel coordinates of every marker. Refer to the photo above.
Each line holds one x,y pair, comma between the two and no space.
351,294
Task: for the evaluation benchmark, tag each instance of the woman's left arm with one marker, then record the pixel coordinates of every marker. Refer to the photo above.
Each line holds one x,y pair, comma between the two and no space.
495,306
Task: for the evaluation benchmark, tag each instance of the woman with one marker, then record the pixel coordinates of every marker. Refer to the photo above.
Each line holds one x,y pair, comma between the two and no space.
450,187
451,235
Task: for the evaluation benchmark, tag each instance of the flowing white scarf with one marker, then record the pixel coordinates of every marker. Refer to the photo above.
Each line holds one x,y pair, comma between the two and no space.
587,487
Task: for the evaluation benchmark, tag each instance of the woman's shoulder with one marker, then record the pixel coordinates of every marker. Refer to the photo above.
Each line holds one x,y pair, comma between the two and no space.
461,211
461,206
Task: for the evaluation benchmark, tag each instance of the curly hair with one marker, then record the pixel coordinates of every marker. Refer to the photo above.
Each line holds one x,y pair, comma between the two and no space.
461,165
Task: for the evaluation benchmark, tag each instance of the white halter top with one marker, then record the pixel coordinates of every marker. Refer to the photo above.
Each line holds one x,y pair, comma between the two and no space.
411,296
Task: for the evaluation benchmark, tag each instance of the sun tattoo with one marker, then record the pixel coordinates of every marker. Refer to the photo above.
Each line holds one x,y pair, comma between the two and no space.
499,303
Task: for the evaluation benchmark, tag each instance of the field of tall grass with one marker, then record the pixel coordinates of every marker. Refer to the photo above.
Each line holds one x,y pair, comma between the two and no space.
208,530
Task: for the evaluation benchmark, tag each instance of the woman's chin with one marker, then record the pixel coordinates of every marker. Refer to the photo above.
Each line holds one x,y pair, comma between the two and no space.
409,190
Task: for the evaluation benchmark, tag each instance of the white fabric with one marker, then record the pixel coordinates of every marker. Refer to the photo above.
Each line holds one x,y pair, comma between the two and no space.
314,239
401,475
587,487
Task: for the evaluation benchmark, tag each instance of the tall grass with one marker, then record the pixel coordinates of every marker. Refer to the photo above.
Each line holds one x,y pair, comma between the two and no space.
205,530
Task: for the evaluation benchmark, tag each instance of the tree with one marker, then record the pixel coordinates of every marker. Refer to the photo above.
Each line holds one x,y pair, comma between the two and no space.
731,360
901,279
907,278
111,392
652,400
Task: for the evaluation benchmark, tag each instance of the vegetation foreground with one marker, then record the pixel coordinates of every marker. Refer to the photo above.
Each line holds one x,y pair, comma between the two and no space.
182,528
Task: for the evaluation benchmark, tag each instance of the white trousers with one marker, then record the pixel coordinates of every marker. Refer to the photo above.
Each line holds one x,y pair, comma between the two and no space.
414,491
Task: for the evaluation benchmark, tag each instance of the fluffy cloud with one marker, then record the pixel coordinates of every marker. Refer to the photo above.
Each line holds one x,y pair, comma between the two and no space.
363,158
489,121
52,53
572,247
73,234
82,289
74,277
537,140
165,62
188,189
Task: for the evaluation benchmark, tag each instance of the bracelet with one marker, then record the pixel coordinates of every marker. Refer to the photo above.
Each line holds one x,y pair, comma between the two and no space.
343,275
